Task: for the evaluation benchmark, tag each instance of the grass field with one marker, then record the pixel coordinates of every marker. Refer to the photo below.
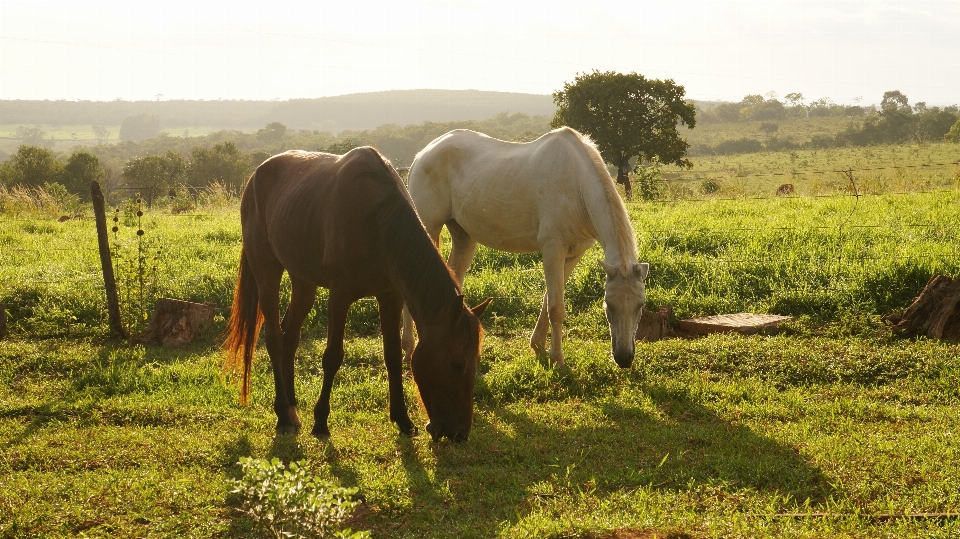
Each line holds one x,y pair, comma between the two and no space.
66,137
826,430
814,172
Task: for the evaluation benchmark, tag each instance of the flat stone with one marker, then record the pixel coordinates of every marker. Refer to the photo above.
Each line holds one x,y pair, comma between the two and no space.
745,323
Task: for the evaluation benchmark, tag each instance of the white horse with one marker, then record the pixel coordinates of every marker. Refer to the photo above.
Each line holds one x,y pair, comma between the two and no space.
552,195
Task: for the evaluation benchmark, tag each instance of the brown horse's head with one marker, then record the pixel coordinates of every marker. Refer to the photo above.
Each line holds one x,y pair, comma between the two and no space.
445,365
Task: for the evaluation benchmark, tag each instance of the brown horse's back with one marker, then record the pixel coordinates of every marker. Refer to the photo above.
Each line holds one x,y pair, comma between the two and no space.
315,214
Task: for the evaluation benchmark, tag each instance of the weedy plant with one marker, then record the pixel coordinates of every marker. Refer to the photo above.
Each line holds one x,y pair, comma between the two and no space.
293,503
50,200
137,273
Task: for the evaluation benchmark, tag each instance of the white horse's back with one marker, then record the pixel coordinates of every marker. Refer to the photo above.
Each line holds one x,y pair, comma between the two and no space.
552,195
507,195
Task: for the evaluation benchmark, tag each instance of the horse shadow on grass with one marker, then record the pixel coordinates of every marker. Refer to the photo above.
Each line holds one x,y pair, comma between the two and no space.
516,456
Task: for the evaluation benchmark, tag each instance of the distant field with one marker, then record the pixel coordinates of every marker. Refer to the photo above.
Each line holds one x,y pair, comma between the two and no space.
875,169
796,129
65,137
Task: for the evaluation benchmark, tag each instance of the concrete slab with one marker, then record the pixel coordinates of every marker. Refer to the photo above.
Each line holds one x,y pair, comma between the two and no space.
745,323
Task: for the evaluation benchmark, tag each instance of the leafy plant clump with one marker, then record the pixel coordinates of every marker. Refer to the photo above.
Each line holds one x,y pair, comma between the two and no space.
292,502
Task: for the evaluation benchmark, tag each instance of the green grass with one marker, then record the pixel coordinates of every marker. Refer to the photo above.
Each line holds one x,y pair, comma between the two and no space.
876,170
715,437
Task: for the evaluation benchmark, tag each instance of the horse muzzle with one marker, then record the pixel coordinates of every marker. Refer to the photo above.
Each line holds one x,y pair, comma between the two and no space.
439,430
624,359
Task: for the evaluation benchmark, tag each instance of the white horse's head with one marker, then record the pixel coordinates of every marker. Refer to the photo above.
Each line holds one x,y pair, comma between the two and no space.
623,299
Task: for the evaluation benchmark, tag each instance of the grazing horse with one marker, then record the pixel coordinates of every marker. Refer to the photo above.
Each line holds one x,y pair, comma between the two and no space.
552,195
346,223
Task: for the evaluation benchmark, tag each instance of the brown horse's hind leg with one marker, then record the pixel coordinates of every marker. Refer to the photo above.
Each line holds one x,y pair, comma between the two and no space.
337,307
268,286
390,310
302,296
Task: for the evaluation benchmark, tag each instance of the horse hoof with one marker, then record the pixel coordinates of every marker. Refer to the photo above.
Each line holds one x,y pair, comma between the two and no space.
409,431
287,430
321,434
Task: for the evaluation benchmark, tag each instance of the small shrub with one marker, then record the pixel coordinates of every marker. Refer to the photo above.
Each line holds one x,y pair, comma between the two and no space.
709,187
649,179
293,503
769,127
742,145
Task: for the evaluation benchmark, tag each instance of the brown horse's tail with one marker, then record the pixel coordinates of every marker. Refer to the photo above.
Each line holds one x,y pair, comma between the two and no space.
243,329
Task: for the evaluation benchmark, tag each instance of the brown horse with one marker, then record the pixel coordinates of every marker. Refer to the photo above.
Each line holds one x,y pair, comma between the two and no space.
346,223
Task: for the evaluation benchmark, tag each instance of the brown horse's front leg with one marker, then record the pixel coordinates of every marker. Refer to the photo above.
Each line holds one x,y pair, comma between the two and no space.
391,307
337,307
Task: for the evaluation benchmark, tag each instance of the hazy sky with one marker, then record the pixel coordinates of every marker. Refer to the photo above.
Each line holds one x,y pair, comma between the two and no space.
717,49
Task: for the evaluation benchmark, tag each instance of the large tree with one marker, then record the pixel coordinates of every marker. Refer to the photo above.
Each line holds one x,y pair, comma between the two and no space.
154,174
82,168
225,163
627,116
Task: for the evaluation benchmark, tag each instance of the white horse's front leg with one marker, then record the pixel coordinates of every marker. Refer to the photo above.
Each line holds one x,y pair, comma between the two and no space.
553,266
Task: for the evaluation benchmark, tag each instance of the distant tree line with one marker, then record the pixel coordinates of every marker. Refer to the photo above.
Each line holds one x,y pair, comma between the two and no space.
160,163
755,107
894,122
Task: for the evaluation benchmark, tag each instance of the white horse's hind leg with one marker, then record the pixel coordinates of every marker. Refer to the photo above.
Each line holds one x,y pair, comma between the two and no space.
462,250
539,338
407,340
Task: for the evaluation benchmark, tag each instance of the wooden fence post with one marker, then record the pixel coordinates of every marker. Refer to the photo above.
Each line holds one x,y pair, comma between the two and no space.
109,282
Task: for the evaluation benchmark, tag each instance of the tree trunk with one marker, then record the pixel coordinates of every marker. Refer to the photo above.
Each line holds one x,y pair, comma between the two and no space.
655,326
623,177
176,322
934,313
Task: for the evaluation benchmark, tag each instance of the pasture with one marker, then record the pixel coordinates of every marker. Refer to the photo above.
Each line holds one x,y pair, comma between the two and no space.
826,430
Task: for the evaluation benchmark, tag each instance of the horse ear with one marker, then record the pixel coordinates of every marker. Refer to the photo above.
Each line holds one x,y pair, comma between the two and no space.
482,306
459,309
641,270
611,271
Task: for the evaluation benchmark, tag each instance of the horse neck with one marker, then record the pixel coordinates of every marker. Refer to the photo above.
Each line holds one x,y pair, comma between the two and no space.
419,272
610,222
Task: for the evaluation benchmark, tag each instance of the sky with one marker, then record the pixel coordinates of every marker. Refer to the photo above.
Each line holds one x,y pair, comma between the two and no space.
845,50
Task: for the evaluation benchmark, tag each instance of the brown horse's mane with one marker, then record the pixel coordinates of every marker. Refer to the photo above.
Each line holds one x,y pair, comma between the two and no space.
427,283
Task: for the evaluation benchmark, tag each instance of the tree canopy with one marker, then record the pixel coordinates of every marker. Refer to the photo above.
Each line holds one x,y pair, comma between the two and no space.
627,115
31,166
81,169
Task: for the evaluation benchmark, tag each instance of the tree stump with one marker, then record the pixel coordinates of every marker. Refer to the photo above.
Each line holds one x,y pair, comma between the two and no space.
176,322
934,313
3,320
655,326
744,323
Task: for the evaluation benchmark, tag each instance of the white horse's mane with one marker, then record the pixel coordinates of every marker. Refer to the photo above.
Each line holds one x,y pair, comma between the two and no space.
626,239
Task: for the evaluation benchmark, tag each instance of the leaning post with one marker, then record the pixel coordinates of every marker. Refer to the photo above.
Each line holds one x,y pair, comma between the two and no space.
109,282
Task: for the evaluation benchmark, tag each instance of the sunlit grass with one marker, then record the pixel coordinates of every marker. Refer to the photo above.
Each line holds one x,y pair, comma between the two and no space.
715,437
